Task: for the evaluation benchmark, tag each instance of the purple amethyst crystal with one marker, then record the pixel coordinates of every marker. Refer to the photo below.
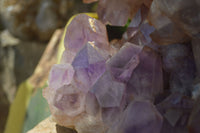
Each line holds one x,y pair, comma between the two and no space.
135,85
92,83
83,63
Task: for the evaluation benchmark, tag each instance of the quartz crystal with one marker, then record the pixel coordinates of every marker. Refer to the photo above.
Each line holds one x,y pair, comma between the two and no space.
97,85
83,62
133,83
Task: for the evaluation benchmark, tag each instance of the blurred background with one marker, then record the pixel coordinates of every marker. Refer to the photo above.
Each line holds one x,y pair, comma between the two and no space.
26,28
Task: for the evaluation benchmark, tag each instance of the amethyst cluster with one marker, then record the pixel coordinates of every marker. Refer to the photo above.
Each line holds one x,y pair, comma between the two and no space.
145,82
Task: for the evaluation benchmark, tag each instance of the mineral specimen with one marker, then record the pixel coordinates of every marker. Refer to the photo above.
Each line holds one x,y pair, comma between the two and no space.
135,85
99,85
70,81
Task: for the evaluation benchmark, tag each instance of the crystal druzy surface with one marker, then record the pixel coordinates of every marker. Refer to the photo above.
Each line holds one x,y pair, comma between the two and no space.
145,82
